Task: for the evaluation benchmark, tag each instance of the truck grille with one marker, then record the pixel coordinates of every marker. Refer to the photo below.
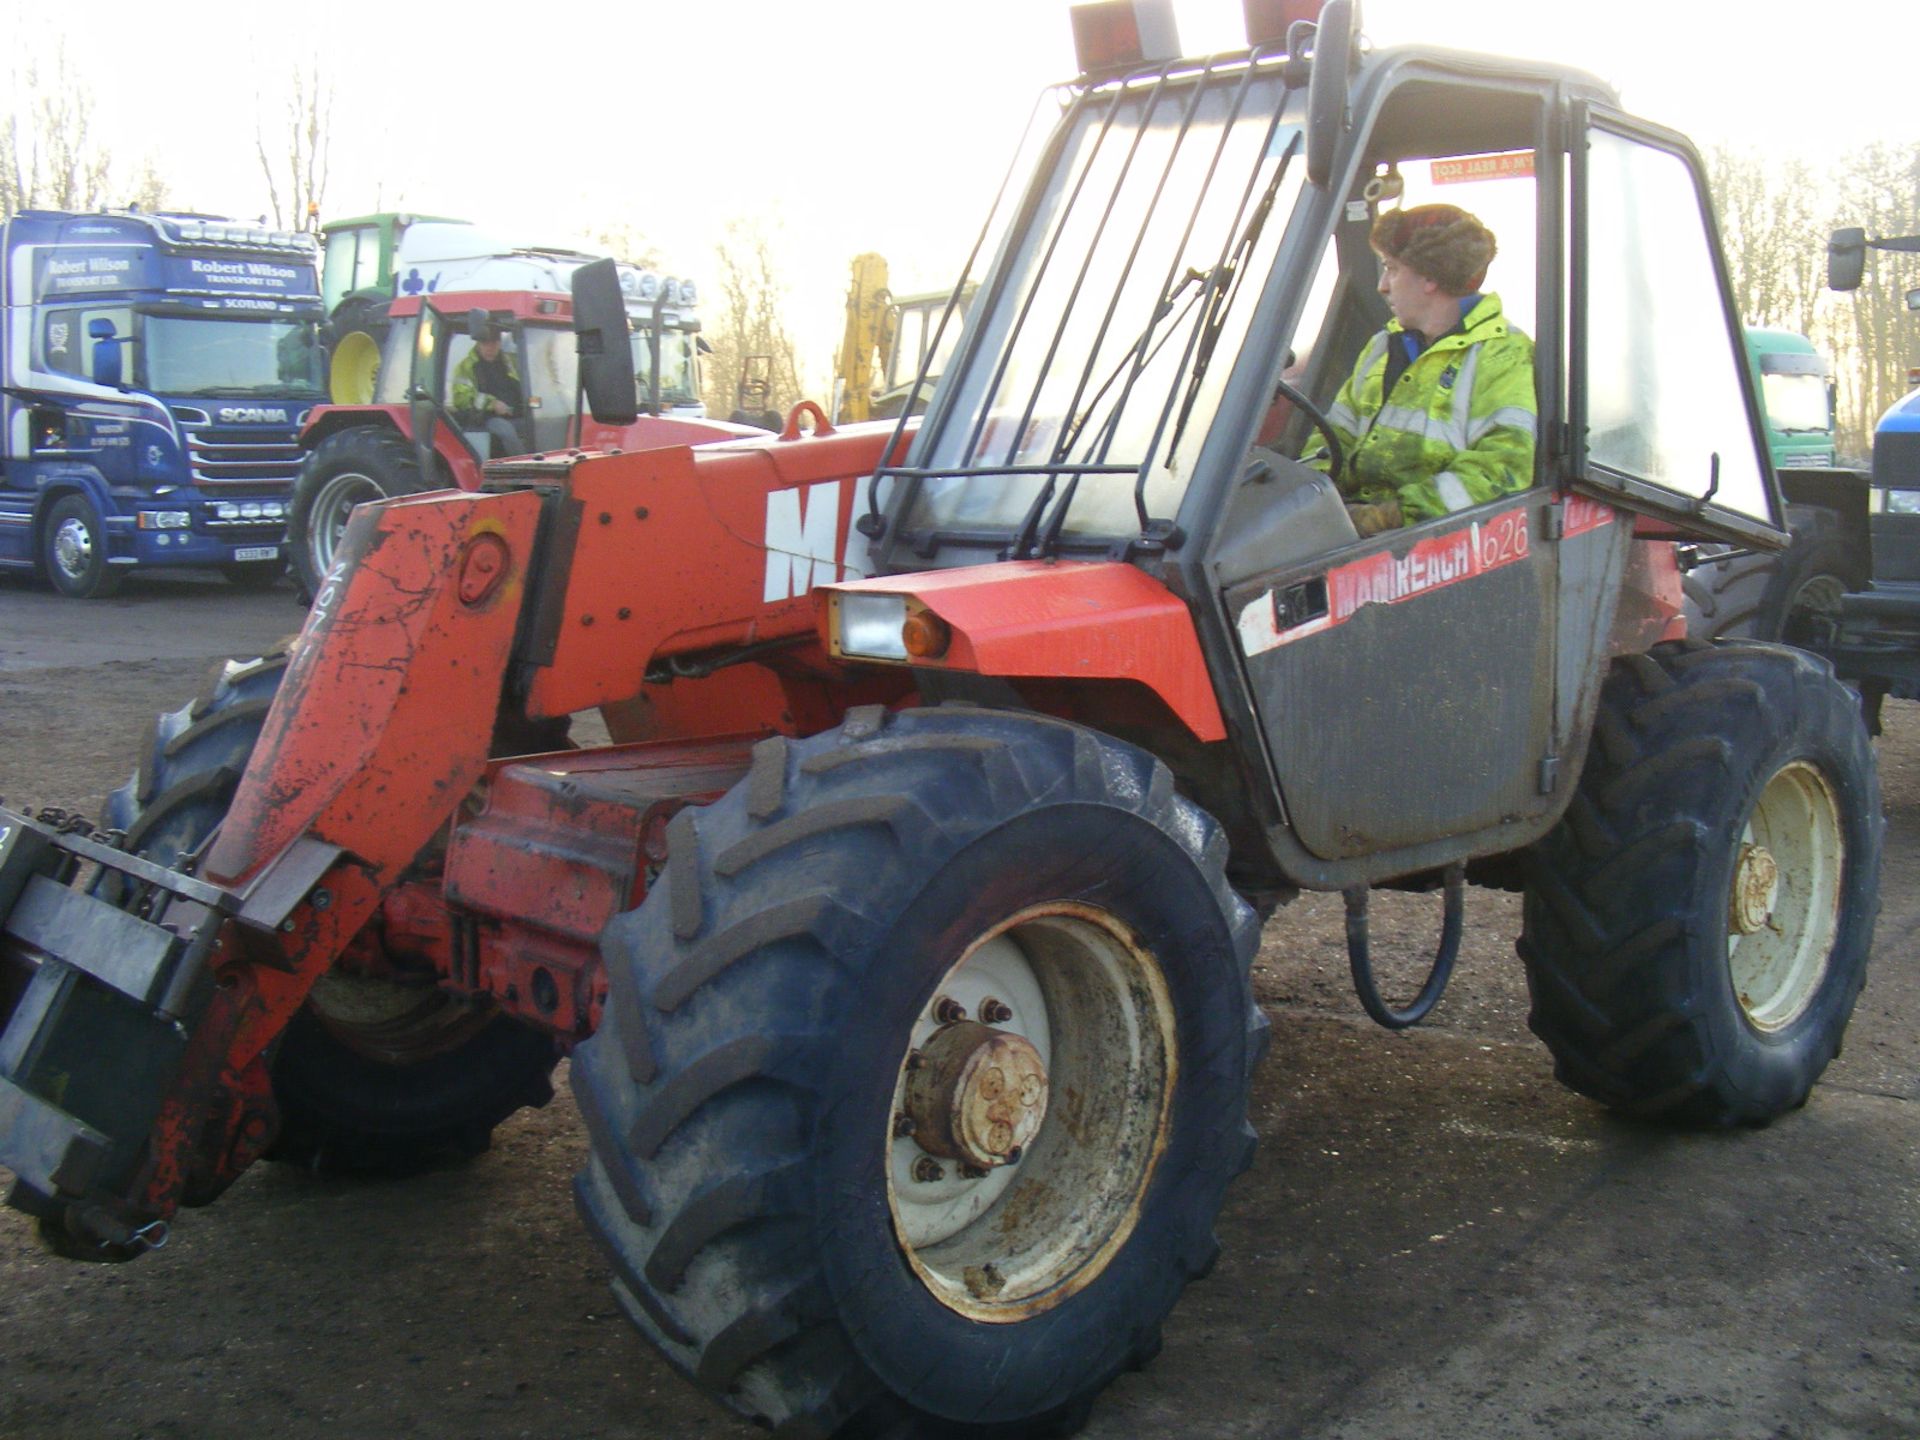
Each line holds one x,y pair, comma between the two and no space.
229,458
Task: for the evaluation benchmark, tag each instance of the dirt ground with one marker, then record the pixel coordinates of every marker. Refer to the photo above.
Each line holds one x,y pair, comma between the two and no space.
1436,1239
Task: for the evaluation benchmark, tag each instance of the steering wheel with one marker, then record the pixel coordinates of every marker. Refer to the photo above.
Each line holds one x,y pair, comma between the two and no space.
1337,455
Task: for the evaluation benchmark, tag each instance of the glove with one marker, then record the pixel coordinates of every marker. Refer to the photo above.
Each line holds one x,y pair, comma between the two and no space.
1372,519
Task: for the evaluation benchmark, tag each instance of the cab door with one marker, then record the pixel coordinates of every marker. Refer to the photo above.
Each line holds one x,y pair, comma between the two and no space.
1664,420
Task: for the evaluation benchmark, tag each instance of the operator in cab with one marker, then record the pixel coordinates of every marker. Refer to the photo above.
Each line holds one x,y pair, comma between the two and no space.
487,392
1439,413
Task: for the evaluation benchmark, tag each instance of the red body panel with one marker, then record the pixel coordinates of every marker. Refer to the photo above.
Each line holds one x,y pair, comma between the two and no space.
1035,619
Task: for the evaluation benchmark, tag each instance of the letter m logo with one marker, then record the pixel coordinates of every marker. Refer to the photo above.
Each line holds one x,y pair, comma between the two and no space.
803,528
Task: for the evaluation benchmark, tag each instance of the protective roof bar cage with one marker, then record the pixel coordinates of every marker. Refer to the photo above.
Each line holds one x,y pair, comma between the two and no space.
1170,93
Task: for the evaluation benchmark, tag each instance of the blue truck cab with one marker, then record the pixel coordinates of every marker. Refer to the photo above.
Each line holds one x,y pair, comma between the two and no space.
157,371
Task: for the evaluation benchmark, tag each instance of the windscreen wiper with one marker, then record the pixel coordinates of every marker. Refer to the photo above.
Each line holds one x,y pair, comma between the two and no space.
1224,289
1136,352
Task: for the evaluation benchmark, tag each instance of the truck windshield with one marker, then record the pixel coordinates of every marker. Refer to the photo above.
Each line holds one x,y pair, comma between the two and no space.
679,367
1795,404
1094,374
225,355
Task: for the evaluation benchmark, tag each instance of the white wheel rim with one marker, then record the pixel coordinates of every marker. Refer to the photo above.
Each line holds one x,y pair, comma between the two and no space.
1784,907
332,508
1078,987
73,547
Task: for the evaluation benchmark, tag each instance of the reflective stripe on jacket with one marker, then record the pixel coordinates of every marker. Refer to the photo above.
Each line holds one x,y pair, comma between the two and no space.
1457,430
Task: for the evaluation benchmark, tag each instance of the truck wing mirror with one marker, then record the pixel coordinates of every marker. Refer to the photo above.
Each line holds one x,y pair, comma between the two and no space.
1846,258
1913,299
606,348
1335,47
106,352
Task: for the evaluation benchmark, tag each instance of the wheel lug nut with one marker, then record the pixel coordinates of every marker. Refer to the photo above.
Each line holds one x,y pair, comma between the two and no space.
902,1126
948,1010
995,1012
972,1172
927,1170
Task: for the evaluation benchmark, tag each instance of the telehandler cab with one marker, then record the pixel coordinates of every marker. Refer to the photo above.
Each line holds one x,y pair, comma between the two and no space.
901,940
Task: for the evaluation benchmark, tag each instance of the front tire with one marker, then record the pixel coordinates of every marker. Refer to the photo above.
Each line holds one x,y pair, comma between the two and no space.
871,918
351,467
73,550
371,1076
1697,928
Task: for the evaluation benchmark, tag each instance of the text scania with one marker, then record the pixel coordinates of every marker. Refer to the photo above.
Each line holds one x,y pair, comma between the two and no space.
251,415
810,540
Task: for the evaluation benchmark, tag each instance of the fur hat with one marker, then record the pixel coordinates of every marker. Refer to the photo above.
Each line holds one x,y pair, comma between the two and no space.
1441,242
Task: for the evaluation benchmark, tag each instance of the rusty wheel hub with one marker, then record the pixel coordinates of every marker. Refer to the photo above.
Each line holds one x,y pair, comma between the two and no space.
977,1095
1756,880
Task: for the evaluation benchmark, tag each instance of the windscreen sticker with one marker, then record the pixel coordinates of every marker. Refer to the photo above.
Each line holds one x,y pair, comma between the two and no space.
1277,617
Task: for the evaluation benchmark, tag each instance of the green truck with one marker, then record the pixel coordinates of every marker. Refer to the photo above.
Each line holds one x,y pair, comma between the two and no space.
1733,593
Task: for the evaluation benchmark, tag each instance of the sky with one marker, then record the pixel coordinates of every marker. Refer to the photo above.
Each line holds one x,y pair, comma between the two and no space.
836,127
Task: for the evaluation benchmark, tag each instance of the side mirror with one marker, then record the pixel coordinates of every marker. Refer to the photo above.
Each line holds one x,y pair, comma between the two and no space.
105,367
1913,299
1846,258
606,349
1335,48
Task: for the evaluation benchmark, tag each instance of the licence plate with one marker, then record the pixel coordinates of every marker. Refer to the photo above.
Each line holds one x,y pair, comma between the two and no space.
257,552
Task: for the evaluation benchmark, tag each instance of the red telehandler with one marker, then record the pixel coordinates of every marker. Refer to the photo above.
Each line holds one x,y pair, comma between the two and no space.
901,938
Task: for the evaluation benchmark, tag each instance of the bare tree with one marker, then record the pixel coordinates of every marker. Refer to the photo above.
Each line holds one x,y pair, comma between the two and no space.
746,321
1772,226
50,154
624,240
300,171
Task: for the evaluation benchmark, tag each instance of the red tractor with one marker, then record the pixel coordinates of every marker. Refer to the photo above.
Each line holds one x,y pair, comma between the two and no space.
901,937
359,453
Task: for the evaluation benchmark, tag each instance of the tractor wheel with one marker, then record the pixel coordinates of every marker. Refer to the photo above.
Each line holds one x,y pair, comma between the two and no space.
1696,929
348,468
371,1076
923,1073
1793,596
353,338
73,550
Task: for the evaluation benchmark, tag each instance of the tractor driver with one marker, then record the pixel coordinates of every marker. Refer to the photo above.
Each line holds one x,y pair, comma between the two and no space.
487,390
1439,413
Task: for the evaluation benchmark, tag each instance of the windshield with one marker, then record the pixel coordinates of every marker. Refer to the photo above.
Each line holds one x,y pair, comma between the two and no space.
191,355
1795,403
679,367
1094,366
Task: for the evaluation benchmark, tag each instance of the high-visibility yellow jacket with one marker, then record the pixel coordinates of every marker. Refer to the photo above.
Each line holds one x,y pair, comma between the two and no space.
1458,428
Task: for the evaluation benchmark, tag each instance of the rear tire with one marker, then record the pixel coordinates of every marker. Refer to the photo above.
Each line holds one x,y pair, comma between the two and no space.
1697,927
350,467
773,1226
1792,597
370,1076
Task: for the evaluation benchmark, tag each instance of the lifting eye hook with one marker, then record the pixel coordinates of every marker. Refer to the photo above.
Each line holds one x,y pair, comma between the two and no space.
1361,962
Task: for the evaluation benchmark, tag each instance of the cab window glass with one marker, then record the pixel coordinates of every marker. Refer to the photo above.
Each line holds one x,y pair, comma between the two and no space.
1665,403
65,345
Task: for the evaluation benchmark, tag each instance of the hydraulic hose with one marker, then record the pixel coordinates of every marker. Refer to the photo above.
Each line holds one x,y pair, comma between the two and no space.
1360,959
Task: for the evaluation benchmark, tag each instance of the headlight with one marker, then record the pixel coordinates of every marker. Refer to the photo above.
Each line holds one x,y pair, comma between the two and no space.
1903,502
250,511
870,626
227,510
165,520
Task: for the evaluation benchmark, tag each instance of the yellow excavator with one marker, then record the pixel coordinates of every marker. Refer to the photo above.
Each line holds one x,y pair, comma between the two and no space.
887,342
